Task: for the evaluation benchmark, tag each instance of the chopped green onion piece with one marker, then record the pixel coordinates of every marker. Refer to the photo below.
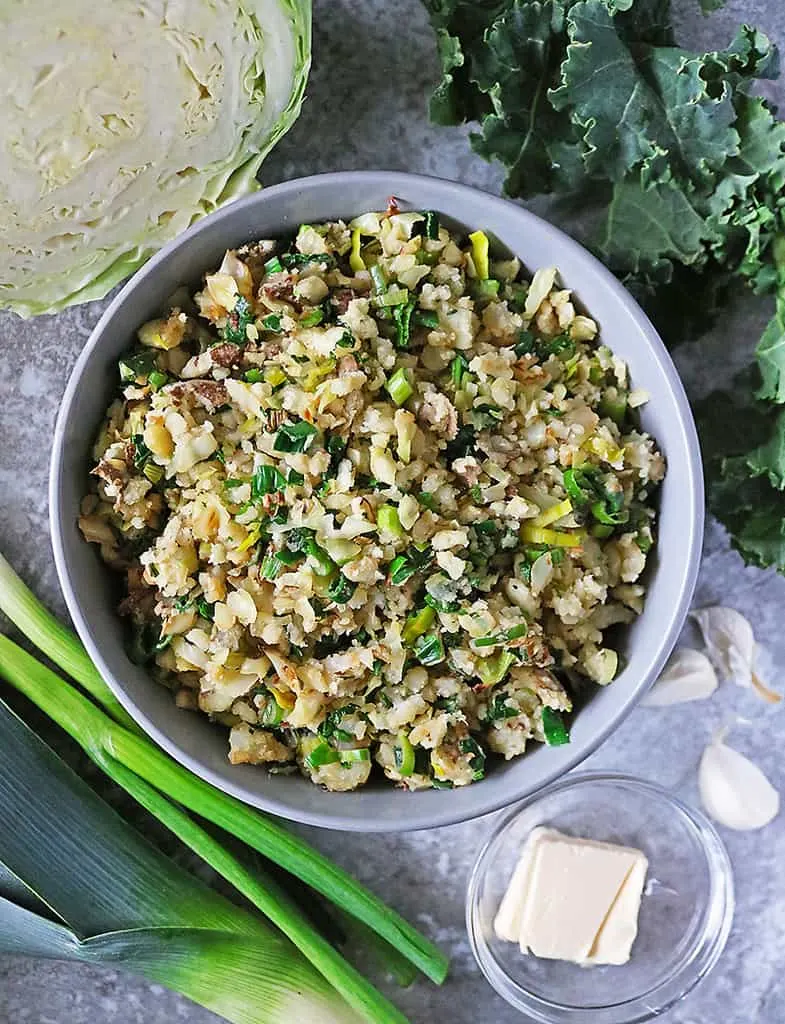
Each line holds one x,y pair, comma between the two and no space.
294,437
429,649
417,624
401,569
271,714
614,407
477,759
354,755
356,262
272,323
136,368
403,323
271,567
600,530
378,279
556,733
604,515
321,755
288,557
516,632
142,454
266,480
499,709
254,376
427,500
324,565
487,288
527,344
341,589
346,340
487,641
403,756
156,380
273,266
387,521
312,317
492,670
399,386
458,368
395,296
441,783
295,477
153,472
426,318
441,606
480,247
431,224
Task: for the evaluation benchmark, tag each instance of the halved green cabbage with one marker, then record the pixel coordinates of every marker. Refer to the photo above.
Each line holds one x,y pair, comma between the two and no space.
125,122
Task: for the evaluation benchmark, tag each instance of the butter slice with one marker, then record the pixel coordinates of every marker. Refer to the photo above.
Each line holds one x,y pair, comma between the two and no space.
507,923
576,905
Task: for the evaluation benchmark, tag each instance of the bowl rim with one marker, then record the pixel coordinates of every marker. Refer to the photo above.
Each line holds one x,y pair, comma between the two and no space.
435,816
667,991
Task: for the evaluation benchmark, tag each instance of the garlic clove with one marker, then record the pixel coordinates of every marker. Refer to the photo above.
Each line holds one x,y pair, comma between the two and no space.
688,675
733,790
730,644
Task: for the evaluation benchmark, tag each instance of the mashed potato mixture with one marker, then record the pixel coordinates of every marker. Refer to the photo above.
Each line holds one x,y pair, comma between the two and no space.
376,498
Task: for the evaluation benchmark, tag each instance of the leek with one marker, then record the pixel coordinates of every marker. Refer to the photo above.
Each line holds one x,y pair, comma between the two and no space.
63,851
109,744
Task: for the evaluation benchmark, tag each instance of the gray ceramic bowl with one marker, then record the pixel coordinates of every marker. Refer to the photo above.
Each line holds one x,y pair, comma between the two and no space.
86,584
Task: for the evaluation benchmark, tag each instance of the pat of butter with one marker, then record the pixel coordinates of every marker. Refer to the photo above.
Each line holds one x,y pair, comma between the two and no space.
573,899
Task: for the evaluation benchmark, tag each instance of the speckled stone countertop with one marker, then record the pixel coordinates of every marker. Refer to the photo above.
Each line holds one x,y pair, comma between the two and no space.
374,66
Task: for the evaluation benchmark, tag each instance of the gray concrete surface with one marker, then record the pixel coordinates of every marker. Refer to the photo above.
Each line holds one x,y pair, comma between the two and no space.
374,65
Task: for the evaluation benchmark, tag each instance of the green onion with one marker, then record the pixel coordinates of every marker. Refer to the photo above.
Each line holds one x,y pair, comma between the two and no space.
492,670
403,756
458,368
604,515
387,521
527,344
136,368
294,437
431,224
614,407
401,569
205,609
157,380
266,480
153,472
480,248
399,386
417,624
312,317
321,755
499,709
395,296
576,484
341,589
403,316
426,318
477,759
427,500
346,340
303,259
113,747
516,632
429,649
272,322
378,278
354,754
271,567
273,266
323,564
271,714
295,477
600,530
254,376
486,289
142,454
441,606
234,330
556,733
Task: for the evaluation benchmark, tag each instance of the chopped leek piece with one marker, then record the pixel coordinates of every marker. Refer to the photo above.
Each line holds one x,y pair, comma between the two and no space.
157,380
492,670
614,407
426,318
356,262
458,368
417,624
403,756
312,317
341,589
273,266
403,323
272,323
395,296
354,754
479,242
554,729
254,376
270,568
429,649
550,515
378,279
477,759
431,224
266,480
552,538
294,437
153,472
323,564
606,516
321,755
387,521
399,386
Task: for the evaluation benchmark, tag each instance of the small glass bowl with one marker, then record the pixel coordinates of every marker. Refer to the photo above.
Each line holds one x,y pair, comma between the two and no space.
685,918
